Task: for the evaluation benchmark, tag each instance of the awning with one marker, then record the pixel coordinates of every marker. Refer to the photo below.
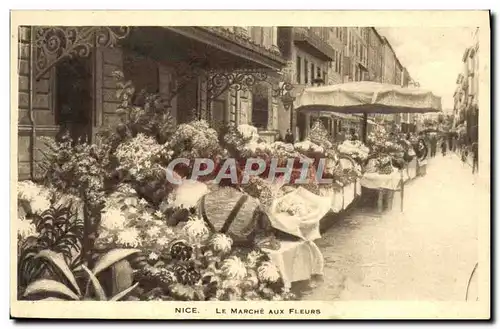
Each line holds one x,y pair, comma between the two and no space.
367,97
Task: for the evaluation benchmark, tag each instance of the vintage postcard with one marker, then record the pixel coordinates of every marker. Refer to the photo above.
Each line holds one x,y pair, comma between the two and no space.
250,165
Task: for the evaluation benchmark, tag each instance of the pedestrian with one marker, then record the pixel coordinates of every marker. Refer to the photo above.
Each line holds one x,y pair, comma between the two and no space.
475,157
289,137
443,146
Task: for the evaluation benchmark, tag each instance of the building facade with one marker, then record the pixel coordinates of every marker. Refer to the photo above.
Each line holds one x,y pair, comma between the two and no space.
375,55
192,68
466,96
312,52
357,54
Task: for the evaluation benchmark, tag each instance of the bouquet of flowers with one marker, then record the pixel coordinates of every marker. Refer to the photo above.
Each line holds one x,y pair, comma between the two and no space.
141,156
195,140
382,145
355,149
77,169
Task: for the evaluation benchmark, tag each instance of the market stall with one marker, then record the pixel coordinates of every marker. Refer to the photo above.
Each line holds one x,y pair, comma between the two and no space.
388,160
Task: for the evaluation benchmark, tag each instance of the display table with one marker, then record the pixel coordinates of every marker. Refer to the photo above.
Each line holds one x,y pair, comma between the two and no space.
297,260
341,198
385,185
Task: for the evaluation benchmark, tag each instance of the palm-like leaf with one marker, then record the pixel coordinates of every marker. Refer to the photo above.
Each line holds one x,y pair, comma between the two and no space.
58,262
101,295
49,287
112,257
121,295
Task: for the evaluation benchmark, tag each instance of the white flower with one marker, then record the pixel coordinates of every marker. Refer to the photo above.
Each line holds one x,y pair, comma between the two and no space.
132,210
39,204
168,231
26,228
248,132
268,272
113,219
158,214
234,268
130,201
147,217
221,242
153,256
153,231
196,228
129,237
163,241
27,190
188,194
253,257
143,202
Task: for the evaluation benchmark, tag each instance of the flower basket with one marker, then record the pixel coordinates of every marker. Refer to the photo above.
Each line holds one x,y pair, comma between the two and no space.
232,212
298,213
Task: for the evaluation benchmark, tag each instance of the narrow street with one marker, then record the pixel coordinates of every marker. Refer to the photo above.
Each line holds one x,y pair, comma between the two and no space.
425,253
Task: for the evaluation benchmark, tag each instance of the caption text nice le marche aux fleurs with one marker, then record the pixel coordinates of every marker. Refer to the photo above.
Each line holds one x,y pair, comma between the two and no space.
251,311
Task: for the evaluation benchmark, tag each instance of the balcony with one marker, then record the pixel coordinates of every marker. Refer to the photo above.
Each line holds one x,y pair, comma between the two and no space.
313,43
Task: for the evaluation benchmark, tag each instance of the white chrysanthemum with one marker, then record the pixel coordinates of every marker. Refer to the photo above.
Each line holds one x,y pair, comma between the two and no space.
129,237
27,190
39,204
153,256
147,217
143,202
130,201
113,219
268,272
132,210
158,214
153,231
221,242
168,231
196,228
253,257
26,228
234,268
163,241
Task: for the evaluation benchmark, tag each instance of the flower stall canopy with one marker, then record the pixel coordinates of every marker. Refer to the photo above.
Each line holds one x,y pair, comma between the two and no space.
342,116
367,97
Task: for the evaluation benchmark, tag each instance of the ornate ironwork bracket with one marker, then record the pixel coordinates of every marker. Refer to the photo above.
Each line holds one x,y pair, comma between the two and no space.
54,43
284,92
219,82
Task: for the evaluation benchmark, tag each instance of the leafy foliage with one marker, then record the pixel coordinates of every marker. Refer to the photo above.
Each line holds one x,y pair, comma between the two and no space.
64,286
58,231
141,113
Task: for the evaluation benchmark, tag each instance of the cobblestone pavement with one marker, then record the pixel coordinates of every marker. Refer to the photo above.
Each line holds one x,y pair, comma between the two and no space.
425,253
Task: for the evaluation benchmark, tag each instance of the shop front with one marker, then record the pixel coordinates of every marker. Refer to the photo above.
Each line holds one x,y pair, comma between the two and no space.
67,78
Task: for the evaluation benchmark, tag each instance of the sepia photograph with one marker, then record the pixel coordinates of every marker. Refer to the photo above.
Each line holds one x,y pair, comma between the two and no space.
209,170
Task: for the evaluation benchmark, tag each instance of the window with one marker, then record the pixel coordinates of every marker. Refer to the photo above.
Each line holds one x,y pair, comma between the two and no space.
260,106
319,72
257,34
312,72
325,77
142,71
73,97
299,70
306,73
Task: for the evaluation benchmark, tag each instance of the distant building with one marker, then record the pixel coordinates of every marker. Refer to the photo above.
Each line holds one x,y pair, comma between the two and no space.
375,55
314,55
466,96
